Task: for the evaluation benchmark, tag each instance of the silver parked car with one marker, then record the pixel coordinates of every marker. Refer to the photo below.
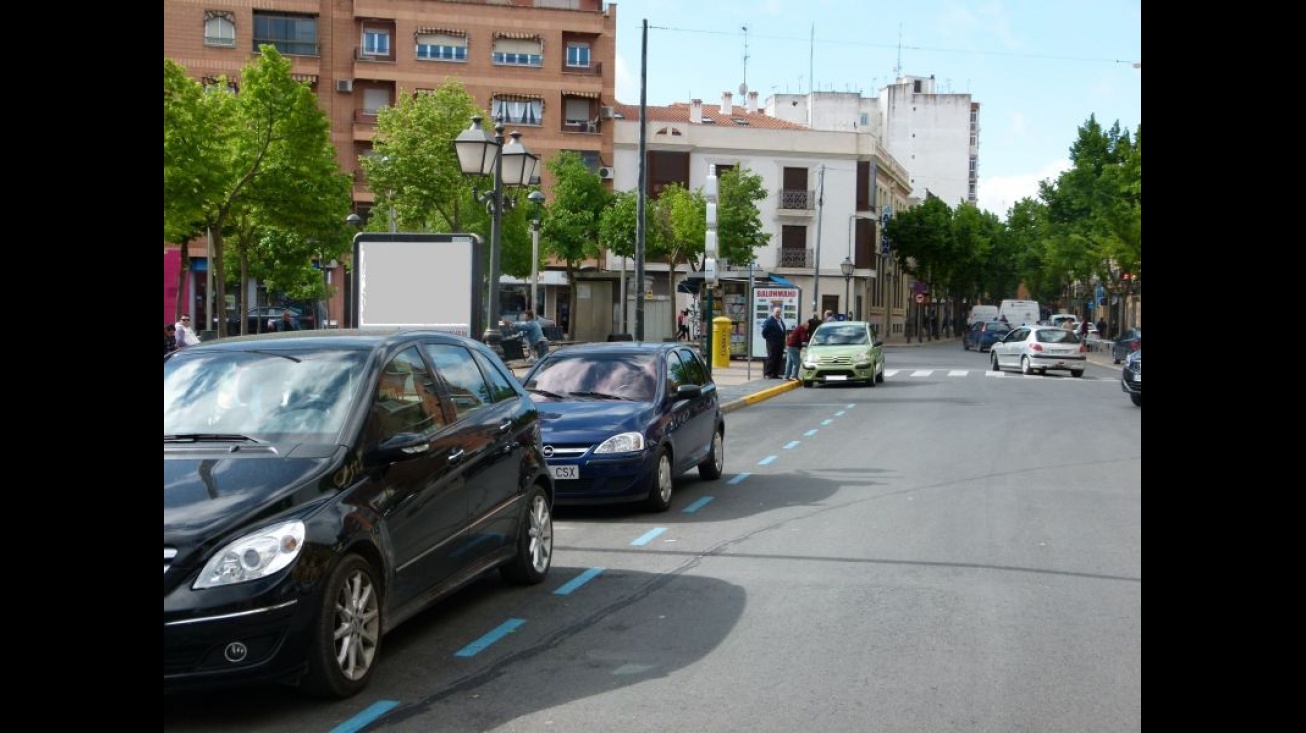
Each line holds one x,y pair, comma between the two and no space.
1036,349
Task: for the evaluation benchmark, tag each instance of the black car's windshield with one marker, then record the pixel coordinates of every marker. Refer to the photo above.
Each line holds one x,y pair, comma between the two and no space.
256,393
602,376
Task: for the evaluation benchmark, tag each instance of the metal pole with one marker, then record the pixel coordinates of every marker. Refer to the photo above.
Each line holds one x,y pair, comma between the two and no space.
535,266
816,266
886,287
209,301
643,190
496,229
748,321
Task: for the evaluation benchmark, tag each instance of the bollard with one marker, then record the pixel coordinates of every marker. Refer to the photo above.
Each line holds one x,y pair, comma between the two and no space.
721,327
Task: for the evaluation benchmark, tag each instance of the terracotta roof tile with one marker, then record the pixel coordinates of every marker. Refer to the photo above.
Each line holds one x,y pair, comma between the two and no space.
679,112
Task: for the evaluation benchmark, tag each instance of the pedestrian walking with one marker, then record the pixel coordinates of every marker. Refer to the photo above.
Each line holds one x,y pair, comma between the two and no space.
773,331
682,325
1083,331
186,335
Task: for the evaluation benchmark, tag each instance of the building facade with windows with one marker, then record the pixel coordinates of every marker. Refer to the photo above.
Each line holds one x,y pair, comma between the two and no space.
826,189
546,66
935,135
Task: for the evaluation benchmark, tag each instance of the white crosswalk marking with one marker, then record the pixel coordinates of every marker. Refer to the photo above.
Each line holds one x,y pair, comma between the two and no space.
890,373
922,372
958,372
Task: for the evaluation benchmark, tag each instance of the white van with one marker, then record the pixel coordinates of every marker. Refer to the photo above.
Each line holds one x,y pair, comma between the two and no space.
982,313
1059,319
1019,312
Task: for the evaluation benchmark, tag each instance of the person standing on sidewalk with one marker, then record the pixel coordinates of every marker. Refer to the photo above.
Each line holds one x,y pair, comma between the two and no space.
773,332
794,343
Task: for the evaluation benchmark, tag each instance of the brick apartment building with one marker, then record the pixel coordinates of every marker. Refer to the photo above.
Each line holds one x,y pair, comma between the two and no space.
547,66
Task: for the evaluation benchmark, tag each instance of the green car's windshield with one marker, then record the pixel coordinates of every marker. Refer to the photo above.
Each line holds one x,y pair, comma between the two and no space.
840,335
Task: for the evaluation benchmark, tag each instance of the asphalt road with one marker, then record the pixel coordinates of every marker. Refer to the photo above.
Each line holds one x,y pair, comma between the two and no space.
949,550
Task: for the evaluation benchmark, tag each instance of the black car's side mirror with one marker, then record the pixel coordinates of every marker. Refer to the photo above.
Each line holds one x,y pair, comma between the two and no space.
402,446
687,392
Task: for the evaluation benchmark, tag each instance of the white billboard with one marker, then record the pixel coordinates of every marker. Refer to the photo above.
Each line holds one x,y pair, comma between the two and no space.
406,280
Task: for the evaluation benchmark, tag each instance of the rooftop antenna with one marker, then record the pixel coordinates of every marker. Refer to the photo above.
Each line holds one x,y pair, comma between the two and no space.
743,86
897,70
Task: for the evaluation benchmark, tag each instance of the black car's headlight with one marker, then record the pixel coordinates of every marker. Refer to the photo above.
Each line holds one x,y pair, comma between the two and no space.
622,443
256,555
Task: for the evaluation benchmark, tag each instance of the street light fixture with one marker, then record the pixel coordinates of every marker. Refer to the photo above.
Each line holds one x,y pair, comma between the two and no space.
847,268
481,154
536,198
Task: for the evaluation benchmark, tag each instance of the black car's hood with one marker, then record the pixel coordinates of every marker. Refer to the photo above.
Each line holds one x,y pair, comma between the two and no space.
586,422
207,494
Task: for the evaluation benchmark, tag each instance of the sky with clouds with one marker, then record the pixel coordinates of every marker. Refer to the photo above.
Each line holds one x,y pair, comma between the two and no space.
1038,68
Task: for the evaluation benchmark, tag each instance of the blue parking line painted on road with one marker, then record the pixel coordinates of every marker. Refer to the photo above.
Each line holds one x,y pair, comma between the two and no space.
648,536
826,421
793,444
850,406
505,628
840,413
578,581
738,478
360,721
698,505
766,460
810,433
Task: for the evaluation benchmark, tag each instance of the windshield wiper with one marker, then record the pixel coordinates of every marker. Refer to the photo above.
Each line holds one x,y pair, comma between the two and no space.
207,437
544,392
600,395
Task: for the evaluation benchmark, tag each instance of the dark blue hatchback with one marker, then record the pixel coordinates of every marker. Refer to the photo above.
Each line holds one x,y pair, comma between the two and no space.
621,420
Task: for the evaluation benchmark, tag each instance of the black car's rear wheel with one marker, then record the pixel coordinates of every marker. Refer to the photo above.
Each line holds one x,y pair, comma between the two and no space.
534,542
1137,399
659,490
711,467
346,643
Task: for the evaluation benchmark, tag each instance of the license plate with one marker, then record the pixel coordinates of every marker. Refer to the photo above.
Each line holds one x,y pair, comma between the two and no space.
563,473
836,378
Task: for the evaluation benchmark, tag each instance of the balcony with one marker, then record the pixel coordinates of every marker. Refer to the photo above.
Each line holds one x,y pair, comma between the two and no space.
588,128
796,201
794,257
361,55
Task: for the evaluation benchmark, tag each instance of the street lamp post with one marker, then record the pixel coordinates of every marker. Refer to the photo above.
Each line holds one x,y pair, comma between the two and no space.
536,198
481,154
847,268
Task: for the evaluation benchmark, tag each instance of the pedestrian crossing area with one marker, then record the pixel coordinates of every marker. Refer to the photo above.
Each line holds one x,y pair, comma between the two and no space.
925,373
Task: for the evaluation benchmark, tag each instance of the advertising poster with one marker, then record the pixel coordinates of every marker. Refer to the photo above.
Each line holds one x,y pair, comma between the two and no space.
766,297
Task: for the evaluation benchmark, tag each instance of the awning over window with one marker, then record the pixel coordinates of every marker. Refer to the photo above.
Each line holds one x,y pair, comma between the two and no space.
585,95
441,32
305,78
517,36
515,97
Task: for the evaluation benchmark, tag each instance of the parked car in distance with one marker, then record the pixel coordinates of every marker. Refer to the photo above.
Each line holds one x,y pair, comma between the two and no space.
983,334
1130,340
1131,377
1037,349
322,487
1059,319
257,320
621,420
842,351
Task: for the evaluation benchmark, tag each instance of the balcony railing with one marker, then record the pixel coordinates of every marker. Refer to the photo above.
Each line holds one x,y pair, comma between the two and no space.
797,200
794,257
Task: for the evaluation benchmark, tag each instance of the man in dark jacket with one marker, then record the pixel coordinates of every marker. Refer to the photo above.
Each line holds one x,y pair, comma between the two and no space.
773,332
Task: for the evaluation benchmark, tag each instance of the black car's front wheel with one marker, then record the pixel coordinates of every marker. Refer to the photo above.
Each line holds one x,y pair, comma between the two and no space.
346,642
534,542
659,491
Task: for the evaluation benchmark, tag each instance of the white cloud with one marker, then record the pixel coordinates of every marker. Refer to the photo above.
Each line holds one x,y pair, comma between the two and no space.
998,194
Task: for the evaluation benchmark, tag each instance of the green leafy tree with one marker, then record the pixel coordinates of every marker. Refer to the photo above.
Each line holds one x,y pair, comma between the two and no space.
571,227
685,212
739,223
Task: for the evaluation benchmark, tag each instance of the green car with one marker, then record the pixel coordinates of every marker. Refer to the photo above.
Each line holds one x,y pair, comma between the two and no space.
843,351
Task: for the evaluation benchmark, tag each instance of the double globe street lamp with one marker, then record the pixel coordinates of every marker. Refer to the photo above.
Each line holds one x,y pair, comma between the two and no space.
846,267
481,154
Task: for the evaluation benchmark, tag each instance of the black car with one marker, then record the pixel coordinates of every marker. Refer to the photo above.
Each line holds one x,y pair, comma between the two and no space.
983,334
1131,377
621,420
322,487
264,319
1130,340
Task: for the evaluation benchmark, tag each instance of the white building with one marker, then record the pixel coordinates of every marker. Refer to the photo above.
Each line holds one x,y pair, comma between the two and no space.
935,136
827,189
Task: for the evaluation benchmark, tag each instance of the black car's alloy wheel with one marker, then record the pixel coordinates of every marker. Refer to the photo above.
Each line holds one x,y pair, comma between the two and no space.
347,636
534,542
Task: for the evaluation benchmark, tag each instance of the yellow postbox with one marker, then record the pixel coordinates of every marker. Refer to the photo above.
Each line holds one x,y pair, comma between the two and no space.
721,326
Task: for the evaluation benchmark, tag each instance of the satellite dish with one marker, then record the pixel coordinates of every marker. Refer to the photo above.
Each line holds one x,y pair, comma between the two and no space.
743,89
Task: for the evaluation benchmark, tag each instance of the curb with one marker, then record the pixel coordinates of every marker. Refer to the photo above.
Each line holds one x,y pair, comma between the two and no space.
758,396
